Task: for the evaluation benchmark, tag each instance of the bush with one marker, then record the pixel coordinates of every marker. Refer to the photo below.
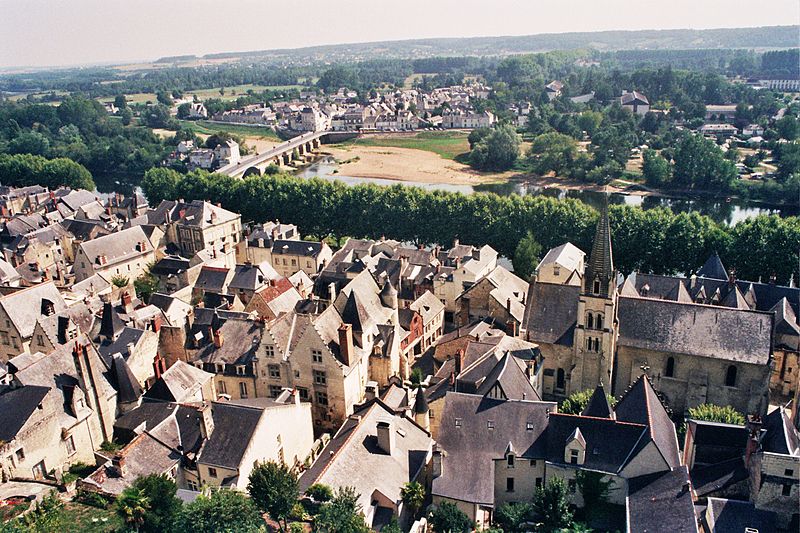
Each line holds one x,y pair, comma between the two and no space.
576,402
448,518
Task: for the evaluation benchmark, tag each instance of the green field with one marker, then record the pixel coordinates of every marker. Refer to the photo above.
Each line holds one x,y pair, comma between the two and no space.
448,144
80,518
234,92
205,127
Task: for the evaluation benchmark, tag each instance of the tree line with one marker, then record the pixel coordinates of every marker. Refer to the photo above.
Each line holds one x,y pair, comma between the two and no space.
654,240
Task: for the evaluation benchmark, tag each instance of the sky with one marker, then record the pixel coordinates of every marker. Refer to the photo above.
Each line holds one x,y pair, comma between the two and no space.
73,32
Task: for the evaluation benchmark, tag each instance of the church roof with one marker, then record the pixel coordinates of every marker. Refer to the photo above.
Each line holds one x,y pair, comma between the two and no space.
598,405
601,262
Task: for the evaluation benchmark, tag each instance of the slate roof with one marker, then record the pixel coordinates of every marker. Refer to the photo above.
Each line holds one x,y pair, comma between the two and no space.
179,383
640,404
16,407
551,313
598,405
634,97
292,247
213,279
695,329
24,307
661,502
567,255
171,264
473,443
353,458
713,268
117,247
125,382
781,436
734,516
234,428
609,443
120,344
240,341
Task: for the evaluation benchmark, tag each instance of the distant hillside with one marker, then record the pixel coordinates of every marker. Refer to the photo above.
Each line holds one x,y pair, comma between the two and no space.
760,38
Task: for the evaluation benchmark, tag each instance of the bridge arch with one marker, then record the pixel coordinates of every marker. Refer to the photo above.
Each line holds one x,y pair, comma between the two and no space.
252,171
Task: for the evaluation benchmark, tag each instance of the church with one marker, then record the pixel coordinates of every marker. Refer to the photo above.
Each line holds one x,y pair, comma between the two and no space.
708,338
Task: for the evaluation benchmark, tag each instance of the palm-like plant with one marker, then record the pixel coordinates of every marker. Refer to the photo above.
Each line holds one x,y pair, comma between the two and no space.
413,495
133,505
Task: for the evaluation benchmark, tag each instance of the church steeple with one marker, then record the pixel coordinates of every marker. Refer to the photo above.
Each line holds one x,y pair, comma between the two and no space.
600,269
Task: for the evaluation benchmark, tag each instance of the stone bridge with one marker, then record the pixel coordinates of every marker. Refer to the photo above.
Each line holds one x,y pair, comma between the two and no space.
278,155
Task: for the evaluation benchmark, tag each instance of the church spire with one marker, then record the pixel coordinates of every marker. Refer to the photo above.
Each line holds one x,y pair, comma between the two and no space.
600,270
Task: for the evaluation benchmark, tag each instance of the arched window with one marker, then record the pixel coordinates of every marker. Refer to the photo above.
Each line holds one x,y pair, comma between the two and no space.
730,376
597,345
596,286
588,344
599,321
560,381
590,320
670,370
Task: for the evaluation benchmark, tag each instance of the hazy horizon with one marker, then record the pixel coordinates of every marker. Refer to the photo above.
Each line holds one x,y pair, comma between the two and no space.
49,33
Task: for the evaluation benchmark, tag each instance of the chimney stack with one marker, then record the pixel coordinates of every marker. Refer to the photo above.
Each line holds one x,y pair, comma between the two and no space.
511,327
753,426
155,323
385,431
332,291
118,464
438,455
346,348
159,366
459,361
127,302
508,305
206,421
218,338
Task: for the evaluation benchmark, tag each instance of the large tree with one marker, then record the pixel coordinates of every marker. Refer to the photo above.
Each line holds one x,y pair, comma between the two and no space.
273,487
699,164
527,256
162,506
656,170
448,518
551,505
342,514
552,152
498,150
224,510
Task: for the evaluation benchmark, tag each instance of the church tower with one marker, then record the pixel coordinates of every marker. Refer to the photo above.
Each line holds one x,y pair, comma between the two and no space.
595,339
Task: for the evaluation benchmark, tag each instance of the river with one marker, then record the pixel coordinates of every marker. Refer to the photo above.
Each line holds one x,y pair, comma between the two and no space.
727,212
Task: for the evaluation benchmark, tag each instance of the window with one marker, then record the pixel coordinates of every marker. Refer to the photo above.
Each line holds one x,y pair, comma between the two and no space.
70,442
590,320
670,370
573,457
588,344
275,390
274,371
220,369
4,338
538,482
269,351
320,378
192,485
533,462
509,484
297,374
20,455
458,422
572,485
560,380
529,426
786,490
599,321
490,424
39,340
303,394
596,287
316,356
730,376
242,389
240,370
221,388
510,461
788,472
10,459
294,262
322,398
212,472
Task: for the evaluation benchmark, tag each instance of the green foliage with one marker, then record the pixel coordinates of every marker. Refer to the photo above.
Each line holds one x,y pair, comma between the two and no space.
652,240
273,487
342,514
120,281
110,446
656,170
145,285
392,527
225,511
413,495
132,505
497,150
699,164
511,517
45,517
92,499
448,518
593,487
527,256
576,402
163,506
320,492
551,505
552,152
416,376
24,169
716,413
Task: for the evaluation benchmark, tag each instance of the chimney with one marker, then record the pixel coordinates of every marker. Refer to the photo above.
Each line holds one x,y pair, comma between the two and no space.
129,348
753,426
385,429
436,462
332,291
511,327
346,348
732,277
118,465
155,323
218,338
459,361
206,421
127,302
159,366
508,305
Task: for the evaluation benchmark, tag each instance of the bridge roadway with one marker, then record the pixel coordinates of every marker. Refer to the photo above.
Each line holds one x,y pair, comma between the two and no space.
280,154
